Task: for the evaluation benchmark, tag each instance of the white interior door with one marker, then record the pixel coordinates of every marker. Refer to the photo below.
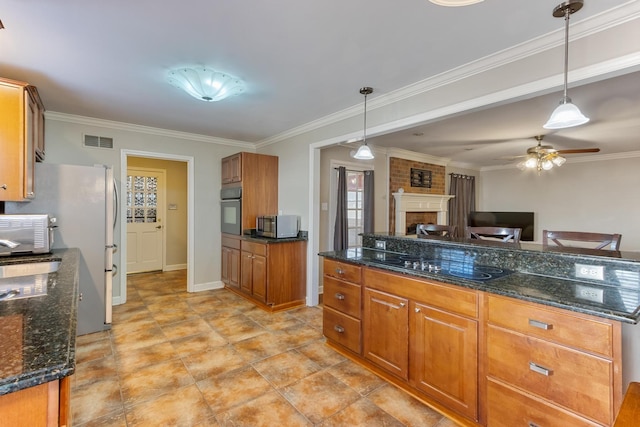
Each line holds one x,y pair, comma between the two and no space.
145,212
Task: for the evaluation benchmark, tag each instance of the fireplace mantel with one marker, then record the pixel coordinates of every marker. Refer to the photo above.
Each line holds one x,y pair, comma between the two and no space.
415,202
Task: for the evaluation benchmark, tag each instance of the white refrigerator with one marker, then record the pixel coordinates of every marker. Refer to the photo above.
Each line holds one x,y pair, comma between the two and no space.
81,198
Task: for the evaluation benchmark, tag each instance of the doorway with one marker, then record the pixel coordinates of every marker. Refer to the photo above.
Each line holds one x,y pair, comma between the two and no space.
147,216
178,202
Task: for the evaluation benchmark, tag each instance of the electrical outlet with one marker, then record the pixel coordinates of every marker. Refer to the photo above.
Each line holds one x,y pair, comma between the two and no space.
594,272
590,294
381,244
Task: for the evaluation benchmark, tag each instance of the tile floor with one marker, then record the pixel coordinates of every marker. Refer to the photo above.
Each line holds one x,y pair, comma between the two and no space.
211,358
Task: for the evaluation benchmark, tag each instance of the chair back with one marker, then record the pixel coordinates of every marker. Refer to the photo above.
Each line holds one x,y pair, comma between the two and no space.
505,233
610,242
436,230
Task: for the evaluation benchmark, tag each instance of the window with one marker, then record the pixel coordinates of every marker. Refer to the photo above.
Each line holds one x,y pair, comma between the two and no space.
142,198
355,205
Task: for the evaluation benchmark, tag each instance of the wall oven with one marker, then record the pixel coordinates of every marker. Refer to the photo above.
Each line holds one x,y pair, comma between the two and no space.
231,210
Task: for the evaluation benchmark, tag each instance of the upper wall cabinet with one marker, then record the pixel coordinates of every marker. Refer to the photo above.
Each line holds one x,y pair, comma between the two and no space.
232,169
21,139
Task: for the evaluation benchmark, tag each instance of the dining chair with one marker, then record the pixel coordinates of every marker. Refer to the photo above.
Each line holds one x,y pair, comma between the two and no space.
506,234
603,241
436,230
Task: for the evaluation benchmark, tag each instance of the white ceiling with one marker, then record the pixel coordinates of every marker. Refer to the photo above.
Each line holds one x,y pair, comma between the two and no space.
302,61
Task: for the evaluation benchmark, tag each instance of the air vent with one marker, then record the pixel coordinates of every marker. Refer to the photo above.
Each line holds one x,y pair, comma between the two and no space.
98,141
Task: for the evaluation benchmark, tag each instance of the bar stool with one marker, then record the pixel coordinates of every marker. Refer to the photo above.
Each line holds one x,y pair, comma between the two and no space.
436,230
511,235
603,241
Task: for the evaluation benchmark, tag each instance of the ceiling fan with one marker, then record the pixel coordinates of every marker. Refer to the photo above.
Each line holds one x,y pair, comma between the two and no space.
545,157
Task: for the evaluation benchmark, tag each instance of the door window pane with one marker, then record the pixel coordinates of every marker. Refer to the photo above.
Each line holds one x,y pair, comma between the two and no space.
142,198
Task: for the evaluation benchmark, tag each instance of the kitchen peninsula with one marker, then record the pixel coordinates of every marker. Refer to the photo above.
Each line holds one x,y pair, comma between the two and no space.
485,332
38,346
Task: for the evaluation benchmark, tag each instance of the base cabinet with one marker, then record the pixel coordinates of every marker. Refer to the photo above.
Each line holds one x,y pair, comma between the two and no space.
272,275
46,404
443,350
386,331
230,264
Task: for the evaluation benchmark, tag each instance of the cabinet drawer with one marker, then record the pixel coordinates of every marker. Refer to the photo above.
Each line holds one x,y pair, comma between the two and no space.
573,379
582,332
342,271
509,408
343,296
447,297
342,329
255,248
230,242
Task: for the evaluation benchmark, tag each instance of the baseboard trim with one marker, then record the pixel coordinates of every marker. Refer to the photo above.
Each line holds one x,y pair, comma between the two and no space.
175,267
199,287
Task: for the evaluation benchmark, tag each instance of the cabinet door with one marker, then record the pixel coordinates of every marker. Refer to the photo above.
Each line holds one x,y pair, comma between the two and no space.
246,271
12,160
234,268
224,266
235,168
386,331
30,137
259,272
444,357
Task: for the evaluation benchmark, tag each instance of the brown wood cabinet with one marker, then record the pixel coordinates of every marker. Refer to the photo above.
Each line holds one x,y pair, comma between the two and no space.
273,275
21,139
257,174
568,362
444,357
46,404
342,295
231,261
232,169
386,331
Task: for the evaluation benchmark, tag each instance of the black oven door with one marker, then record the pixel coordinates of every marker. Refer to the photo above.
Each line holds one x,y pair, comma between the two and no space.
231,216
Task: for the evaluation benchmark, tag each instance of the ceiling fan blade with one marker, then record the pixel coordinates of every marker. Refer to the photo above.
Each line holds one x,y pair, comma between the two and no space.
512,157
579,150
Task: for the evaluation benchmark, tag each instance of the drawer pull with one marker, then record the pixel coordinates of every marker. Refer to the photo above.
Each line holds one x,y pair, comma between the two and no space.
339,271
339,329
417,310
339,296
540,325
402,304
540,369
531,424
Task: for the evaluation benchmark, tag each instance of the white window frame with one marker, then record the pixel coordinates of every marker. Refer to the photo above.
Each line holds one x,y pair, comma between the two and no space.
333,191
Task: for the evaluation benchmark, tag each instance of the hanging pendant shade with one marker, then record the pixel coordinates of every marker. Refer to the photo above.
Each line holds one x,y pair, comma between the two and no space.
205,84
566,114
364,152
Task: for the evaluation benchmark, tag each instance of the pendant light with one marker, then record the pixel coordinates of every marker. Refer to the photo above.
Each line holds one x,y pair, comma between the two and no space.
566,114
364,152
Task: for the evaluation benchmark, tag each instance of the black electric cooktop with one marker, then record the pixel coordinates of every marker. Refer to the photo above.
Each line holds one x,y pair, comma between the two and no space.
464,269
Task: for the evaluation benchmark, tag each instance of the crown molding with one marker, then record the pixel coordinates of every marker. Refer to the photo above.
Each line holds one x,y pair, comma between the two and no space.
626,12
110,124
573,160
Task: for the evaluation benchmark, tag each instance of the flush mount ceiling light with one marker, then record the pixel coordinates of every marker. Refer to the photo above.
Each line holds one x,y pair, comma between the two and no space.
566,114
205,84
454,3
364,152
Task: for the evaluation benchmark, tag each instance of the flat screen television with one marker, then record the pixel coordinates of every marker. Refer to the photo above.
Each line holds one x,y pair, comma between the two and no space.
522,220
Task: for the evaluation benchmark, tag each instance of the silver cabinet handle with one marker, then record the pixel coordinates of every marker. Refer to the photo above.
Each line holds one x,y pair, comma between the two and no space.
3,186
540,369
417,310
339,329
339,271
339,296
532,424
402,304
30,193
540,325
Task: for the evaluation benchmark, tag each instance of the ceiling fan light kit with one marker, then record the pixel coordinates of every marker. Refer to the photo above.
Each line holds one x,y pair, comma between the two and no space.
364,152
566,114
205,84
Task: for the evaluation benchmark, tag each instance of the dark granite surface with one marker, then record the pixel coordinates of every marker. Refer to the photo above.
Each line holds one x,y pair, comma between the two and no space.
249,235
39,333
546,277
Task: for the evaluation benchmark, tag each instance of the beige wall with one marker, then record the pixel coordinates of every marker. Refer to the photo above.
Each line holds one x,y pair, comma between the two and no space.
175,219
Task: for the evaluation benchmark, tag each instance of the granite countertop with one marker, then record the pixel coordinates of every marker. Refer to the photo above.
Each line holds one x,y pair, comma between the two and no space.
619,301
39,333
249,235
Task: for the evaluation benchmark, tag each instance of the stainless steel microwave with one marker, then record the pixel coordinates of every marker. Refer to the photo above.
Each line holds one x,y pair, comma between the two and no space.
278,226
